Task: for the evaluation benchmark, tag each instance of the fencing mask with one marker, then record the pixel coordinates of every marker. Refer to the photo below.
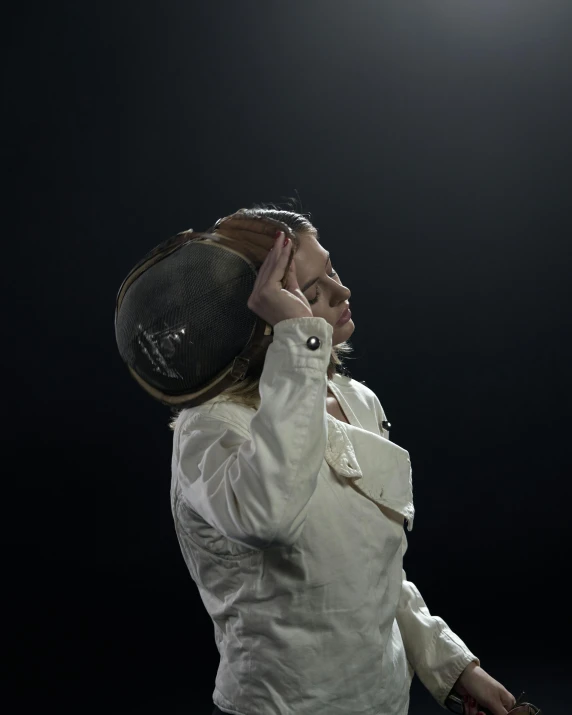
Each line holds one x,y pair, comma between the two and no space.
182,323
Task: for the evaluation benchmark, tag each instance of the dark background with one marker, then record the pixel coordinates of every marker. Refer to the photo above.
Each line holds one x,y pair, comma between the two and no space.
431,142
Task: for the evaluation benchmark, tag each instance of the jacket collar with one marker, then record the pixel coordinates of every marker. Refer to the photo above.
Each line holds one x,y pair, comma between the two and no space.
380,469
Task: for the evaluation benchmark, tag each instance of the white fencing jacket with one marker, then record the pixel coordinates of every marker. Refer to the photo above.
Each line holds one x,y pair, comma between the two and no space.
291,524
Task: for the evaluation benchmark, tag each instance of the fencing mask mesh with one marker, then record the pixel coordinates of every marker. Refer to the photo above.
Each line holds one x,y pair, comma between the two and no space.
182,323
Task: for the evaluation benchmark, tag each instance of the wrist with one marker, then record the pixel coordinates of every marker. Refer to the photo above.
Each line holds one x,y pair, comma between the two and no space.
468,670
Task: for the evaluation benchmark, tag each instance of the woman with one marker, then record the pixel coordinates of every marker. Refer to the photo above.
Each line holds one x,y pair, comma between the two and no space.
289,503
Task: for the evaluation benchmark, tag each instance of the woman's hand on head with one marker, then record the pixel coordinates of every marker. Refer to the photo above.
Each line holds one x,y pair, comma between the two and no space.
269,300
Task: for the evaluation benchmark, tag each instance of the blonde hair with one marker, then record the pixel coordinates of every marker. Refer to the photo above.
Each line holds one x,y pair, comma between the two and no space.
246,392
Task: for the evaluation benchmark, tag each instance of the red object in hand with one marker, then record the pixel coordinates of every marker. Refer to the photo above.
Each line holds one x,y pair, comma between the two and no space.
471,707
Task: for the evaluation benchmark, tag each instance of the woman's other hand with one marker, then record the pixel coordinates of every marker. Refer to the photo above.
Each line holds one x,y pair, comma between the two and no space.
488,692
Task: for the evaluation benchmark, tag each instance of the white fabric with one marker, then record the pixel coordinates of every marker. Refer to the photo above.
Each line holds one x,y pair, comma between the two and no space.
302,574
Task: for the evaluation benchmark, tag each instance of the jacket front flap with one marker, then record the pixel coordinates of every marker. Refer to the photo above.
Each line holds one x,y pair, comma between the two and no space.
379,468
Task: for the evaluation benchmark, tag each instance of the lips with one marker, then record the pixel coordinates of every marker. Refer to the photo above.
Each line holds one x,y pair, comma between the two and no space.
343,315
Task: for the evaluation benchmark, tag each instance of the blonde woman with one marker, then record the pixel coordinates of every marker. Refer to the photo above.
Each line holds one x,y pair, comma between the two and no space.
290,503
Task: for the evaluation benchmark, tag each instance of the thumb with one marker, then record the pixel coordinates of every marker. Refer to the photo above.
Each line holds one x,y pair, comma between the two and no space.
504,703
507,699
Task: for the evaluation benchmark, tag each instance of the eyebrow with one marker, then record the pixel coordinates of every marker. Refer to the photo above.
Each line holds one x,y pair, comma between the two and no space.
311,283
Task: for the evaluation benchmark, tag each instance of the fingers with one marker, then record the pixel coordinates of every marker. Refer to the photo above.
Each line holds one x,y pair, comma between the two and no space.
291,274
508,699
282,271
281,253
499,708
272,269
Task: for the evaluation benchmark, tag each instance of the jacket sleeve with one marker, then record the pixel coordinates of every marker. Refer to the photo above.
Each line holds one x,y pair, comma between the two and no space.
437,655
255,489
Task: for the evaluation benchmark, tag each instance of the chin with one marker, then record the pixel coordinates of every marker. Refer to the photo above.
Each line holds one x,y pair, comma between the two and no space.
342,332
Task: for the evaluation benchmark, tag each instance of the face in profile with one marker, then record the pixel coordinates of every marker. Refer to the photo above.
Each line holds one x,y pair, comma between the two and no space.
322,286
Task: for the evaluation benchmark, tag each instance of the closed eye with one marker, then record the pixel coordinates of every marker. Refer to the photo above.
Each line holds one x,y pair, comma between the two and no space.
315,300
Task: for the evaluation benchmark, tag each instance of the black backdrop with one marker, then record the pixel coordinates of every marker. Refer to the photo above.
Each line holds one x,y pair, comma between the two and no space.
431,143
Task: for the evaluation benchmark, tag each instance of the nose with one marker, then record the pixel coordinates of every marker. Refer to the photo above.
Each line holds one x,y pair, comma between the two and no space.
346,294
